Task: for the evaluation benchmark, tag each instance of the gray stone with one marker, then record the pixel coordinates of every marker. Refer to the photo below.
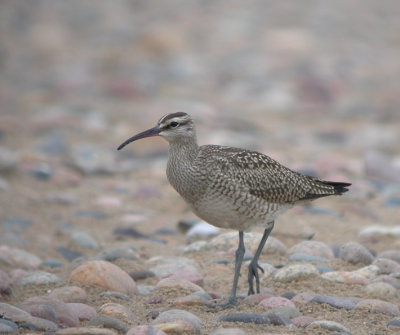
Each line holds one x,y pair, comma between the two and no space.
227,331
8,159
39,278
296,272
354,252
84,240
113,254
394,323
286,311
314,248
169,265
174,315
298,257
7,326
201,230
330,325
337,302
106,321
246,318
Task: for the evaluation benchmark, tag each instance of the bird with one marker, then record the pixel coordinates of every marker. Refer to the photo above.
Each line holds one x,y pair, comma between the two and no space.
233,188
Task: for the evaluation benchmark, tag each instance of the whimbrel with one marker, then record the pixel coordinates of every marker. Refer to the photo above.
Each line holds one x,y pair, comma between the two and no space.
231,187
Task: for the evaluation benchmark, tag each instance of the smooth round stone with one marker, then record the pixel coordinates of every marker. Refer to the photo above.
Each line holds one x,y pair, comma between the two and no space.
337,302
227,331
8,159
179,284
285,311
20,316
303,321
378,306
5,283
303,298
354,252
117,295
106,275
195,247
230,240
255,299
245,318
386,266
369,272
113,254
313,248
109,202
106,321
167,266
69,254
145,289
145,330
275,302
387,279
176,318
395,323
192,276
16,224
323,269
381,290
84,240
52,263
7,326
83,312
118,311
69,294
39,278
202,230
92,159
391,254
329,325
345,277
85,331
297,257
141,274
193,299
18,257
296,272
52,310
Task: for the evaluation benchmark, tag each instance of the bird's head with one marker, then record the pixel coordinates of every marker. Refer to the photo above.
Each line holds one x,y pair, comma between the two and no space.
172,127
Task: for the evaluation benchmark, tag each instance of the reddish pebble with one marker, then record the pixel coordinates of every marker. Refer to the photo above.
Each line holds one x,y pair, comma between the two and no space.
275,302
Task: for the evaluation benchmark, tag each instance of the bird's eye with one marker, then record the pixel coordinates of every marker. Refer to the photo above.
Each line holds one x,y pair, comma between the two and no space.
174,124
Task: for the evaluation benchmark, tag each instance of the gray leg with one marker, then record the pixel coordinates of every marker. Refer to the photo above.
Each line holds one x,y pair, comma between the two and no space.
253,266
238,264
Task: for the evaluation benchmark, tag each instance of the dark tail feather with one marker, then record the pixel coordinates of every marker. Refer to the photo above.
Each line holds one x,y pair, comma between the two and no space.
338,187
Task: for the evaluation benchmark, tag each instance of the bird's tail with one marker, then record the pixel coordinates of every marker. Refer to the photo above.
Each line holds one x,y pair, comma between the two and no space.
322,188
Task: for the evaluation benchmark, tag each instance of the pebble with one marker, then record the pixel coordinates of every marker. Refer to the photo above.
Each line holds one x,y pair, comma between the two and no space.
113,254
179,284
386,265
194,299
285,311
104,274
337,302
329,325
380,230
85,331
279,320
69,254
185,321
192,276
109,202
118,311
167,266
51,309
145,289
117,295
84,240
378,306
298,257
394,323
124,232
19,258
303,321
8,159
313,248
381,290
354,252
275,302
202,230
39,278
106,321
255,299
295,272
387,279
5,283
246,318
394,255
358,277
227,331
7,326
303,298
52,263
16,224
229,240
69,294
92,159
195,247
83,312
141,274
145,330
19,316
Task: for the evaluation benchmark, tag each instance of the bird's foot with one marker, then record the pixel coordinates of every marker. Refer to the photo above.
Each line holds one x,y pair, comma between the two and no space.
253,273
231,303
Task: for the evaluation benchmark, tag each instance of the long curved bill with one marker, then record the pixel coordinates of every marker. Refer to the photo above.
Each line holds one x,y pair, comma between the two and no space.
147,133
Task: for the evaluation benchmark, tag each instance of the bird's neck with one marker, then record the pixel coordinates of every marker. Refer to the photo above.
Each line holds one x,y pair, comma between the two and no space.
185,149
